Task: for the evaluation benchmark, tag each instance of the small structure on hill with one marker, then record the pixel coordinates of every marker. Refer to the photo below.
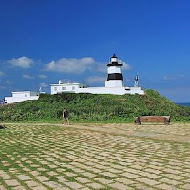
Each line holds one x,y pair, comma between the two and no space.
22,96
113,84
65,87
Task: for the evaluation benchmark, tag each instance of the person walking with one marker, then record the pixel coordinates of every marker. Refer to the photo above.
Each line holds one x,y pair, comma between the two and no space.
65,116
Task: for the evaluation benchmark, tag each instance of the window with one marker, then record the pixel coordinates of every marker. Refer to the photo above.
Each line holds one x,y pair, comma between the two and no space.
25,95
55,88
63,88
73,87
127,89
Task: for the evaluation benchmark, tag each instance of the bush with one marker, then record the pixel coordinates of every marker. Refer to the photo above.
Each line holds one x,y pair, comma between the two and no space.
93,107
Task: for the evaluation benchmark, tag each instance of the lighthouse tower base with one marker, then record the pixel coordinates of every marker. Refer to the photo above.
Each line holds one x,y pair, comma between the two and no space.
113,84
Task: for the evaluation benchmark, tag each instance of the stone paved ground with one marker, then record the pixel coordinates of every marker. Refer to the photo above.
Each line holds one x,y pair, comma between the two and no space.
95,156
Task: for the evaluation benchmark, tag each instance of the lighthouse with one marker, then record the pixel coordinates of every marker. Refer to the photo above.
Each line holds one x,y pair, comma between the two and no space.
114,74
113,84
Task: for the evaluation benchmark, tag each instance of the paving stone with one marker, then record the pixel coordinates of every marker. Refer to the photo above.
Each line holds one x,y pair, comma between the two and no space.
169,181
70,174
129,175
52,173
2,187
60,170
24,177
34,173
32,183
114,171
166,187
26,169
103,180
83,180
148,181
90,175
42,169
118,186
187,181
142,187
85,188
42,178
18,188
52,184
5,176
154,171
61,188
186,186
74,185
39,188
108,174
176,177
12,182
95,186
52,166
125,181
61,179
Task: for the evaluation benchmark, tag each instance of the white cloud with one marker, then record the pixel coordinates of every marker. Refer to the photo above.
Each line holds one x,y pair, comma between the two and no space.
126,66
166,78
70,65
102,68
77,66
8,82
169,78
95,79
22,62
180,75
25,76
2,73
42,76
43,85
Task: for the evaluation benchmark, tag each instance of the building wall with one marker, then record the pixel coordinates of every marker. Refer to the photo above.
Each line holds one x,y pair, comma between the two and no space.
59,88
20,99
111,87
135,90
21,94
113,83
116,91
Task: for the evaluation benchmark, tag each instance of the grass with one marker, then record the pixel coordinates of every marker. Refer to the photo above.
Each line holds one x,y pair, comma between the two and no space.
93,108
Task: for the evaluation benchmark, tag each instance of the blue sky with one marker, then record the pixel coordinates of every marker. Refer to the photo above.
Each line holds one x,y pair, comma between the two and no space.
43,41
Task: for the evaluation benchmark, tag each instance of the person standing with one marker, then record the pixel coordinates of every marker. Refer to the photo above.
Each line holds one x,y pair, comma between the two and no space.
65,116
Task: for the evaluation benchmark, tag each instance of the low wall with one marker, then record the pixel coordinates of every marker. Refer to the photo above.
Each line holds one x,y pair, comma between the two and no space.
106,90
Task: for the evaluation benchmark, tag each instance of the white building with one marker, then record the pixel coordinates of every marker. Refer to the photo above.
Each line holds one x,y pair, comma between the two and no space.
22,96
65,87
113,84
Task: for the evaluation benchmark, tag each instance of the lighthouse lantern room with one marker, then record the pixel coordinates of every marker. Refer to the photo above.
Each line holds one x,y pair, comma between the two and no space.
114,78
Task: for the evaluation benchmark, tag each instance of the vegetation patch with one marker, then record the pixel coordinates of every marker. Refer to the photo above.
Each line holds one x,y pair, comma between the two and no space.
94,107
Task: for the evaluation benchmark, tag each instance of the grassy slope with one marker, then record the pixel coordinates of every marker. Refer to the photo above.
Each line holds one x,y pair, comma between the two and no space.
91,107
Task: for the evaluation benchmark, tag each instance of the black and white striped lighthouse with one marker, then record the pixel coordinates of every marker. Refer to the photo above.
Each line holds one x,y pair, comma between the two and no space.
114,78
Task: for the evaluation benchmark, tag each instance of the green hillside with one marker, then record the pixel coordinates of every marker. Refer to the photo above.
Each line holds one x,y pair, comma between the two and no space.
92,107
